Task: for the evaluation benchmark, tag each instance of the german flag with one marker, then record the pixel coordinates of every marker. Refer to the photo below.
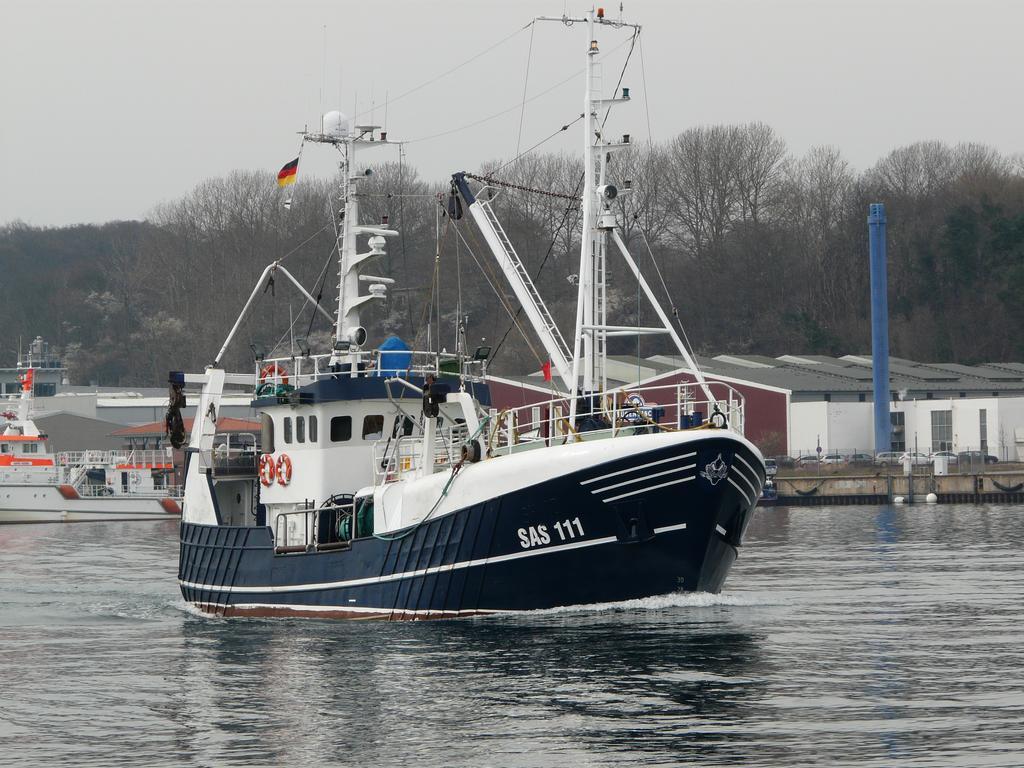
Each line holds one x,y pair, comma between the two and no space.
286,176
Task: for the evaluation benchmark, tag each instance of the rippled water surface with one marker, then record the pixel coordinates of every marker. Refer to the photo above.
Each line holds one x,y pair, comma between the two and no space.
846,636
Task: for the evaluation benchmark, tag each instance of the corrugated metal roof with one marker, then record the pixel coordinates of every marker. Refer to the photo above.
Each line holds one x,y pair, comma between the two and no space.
813,375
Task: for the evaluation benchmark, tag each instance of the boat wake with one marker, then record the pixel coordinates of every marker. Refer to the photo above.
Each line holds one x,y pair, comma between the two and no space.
671,601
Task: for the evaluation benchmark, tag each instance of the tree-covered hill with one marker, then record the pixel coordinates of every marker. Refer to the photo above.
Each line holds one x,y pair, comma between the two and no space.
761,251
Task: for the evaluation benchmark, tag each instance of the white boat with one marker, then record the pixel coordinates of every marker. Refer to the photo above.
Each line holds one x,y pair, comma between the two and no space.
387,489
39,486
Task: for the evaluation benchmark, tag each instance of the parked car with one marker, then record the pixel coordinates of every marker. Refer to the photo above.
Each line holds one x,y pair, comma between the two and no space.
952,457
784,462
770,467
808,460
861,460
888,458
832,458
976,457
917,459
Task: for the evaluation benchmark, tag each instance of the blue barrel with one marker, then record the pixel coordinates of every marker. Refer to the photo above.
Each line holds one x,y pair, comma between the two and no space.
395,357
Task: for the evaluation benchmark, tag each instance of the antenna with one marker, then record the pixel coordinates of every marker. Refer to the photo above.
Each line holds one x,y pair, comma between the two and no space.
323,78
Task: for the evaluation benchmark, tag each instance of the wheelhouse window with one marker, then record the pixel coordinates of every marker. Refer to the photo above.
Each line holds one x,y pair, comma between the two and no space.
403,426
341,429
30,448
312,429
300,429
288,429
373,427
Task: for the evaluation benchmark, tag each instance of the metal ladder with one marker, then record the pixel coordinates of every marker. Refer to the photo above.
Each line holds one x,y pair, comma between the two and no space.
524,278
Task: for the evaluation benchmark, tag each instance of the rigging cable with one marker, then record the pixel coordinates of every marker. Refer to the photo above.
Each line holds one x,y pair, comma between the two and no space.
447,72
270,285
526,80
513,108
493,281
575,195
565,217
675,310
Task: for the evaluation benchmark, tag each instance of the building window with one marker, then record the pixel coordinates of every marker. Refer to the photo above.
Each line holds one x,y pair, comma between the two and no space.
288,429
898,421
942,430
300,429
312,429
373,427
341,429
983,428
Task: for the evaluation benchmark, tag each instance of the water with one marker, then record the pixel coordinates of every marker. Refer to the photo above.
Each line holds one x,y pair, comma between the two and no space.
847,636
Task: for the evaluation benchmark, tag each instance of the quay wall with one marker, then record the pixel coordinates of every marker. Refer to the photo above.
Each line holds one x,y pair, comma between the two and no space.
989,487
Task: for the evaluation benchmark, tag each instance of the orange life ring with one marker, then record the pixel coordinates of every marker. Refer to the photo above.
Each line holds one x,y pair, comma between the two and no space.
273,369
267,470
284,469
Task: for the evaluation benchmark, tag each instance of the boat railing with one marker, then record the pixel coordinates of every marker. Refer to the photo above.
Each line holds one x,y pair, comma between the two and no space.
322,529
279,375
402,457
100,490
614,413
235,458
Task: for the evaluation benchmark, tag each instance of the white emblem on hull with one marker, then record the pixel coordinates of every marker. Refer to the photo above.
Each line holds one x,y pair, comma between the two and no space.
716,471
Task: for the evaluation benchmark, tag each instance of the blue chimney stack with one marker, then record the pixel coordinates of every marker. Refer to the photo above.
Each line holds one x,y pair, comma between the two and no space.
879,326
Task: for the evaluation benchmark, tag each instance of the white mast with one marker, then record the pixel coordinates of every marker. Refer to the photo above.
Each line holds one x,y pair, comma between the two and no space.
592,330
349,335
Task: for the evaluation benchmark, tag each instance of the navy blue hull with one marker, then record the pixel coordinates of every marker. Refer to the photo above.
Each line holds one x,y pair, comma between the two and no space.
606,534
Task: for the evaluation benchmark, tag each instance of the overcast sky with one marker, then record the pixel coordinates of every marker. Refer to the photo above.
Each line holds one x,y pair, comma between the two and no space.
108,107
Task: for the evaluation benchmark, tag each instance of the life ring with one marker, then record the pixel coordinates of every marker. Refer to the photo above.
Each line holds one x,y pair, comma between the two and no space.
284,469
275,370
267,469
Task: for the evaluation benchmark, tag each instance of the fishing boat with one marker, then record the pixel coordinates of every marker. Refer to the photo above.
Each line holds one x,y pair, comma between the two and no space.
40,486
389,486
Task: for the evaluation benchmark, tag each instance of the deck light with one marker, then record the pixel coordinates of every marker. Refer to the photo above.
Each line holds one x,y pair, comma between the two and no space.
625,94
593,46
600,13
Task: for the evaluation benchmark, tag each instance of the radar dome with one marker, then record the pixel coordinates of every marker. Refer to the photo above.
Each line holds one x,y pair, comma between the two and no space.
335,124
